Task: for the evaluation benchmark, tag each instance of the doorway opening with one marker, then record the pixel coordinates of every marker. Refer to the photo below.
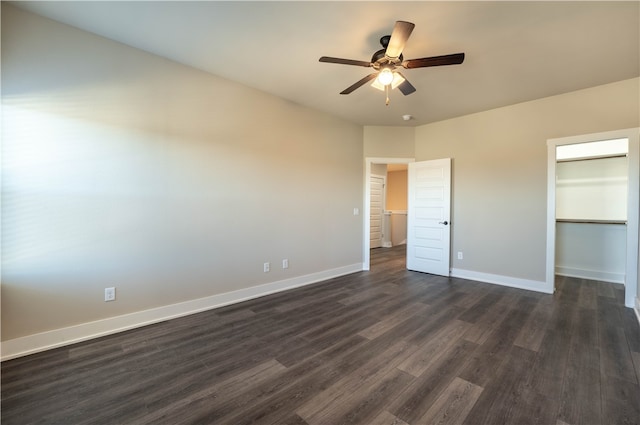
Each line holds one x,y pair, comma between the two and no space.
592,209
373,167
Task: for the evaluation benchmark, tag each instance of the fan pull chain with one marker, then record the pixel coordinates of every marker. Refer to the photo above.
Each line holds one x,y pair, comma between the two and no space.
386,90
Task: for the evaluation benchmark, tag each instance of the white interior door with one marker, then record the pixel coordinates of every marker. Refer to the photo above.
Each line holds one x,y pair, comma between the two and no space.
428,216
376,211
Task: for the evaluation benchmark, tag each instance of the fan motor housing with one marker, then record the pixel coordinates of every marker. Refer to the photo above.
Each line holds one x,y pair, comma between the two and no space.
377,57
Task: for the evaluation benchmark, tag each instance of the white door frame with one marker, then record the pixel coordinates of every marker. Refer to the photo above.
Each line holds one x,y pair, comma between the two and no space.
631,270
367,201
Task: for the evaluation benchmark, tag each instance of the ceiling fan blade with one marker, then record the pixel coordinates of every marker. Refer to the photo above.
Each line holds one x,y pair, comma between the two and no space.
345,61
454,59
406,87
360,83
399,36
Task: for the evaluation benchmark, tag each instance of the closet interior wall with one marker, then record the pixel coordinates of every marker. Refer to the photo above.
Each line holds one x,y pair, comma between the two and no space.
591,214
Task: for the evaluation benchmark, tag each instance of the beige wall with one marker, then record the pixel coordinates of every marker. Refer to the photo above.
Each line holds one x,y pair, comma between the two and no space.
389,142
379,169
397,190
124,169
500,166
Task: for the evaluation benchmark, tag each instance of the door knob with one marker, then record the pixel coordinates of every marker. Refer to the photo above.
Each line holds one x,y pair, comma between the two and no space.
443,222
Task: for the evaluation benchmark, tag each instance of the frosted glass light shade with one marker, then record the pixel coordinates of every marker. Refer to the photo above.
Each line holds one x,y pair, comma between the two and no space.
395,82
385,77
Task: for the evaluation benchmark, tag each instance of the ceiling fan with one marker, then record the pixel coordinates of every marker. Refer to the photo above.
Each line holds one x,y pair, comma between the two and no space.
386,60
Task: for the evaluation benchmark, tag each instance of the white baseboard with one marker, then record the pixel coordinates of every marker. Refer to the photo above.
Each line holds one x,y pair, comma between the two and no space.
513,282
590,274
35,343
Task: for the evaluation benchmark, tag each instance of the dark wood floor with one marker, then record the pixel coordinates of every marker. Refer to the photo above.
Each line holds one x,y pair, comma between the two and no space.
387,346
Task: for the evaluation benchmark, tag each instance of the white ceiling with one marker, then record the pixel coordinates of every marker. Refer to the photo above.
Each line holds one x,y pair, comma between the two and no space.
515,51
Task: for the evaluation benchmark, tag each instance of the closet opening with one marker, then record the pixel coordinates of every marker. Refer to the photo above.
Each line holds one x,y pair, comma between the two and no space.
591,210
592,220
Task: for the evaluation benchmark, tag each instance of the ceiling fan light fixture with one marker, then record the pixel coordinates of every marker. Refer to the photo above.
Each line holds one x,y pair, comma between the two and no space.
396,80
385,61
385,77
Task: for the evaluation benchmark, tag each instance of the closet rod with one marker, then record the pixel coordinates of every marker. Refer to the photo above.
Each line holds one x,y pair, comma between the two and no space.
590,158
588,221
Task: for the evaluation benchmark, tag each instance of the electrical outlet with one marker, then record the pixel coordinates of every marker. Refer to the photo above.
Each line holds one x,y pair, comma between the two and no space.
267,267
460,255
110,294
285,263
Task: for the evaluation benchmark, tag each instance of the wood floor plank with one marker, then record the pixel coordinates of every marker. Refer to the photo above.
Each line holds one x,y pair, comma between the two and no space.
615,356
386,418
339,318
406,329
472,293
369,294
606,290
188,378
132,374
636,362
586,328
318,408
363,407
436,318
620,401
270,409
609,313
81,404
293,420
490,355
588,297
484,327
310,301
550,364
481,307
503,394
535,409
631,328
618,290
294,350
271,397
533,331
453,405
304,388
512,296
564,316
392,321
228,389
418,397
428,353
581,400
569,289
